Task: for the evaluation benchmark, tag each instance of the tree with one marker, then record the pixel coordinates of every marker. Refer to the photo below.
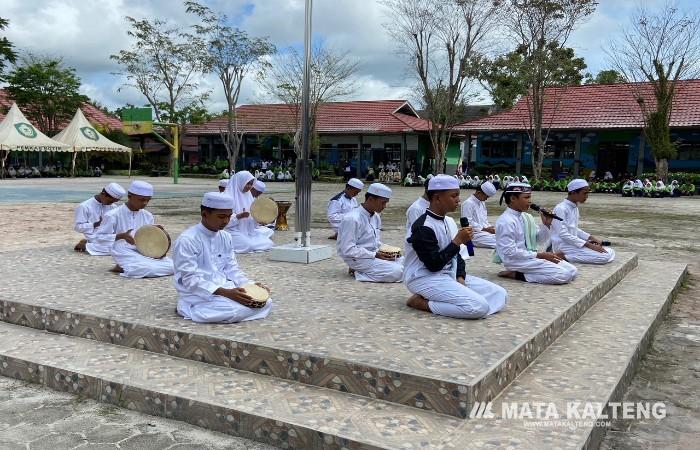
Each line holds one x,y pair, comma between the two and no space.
609,76
443,41
232,55
658,50
331,79
46,91
505,79
541,29
7,53
164,65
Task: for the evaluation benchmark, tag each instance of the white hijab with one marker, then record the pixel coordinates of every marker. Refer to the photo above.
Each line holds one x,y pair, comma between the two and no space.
242,200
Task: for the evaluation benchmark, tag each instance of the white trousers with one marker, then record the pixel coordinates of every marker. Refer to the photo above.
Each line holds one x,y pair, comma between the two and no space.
543,271
377,270
218,309
258,241
585,255
484,239
97,245
136,265
447,297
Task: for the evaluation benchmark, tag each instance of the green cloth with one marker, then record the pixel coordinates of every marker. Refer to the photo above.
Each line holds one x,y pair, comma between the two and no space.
530,236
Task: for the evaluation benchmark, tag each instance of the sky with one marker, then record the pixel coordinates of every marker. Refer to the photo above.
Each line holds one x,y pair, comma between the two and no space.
86,33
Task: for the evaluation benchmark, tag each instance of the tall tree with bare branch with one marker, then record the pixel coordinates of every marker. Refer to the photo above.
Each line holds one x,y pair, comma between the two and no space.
443,41
332,78
541,29
232,55
656,51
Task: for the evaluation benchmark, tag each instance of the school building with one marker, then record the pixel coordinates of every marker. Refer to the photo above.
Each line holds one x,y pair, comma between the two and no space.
592,127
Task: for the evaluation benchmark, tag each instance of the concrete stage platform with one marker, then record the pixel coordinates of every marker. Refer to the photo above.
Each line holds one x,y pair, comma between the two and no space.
326,329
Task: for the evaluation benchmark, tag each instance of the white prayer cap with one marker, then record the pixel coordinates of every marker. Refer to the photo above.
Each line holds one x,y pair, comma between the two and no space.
357,184
578,183
442,182
217,200
488,188
259,186
518,187
115,190
379,189
223,182
139,187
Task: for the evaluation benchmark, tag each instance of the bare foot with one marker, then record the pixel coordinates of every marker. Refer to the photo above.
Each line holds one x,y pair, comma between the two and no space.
116,269
418,302
334,237
80,246
507,274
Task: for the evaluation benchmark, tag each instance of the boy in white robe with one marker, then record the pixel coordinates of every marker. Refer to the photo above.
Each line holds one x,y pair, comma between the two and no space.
222,184
88,218
256,191
474,209
248,237
122,223
359,239
522,261
435,272
342,203
577,245
416,210
207,276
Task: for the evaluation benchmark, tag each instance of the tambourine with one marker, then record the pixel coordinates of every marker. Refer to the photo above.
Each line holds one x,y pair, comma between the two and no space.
264,210
152,241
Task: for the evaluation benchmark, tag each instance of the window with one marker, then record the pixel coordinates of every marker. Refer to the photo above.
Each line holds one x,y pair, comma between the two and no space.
393,152
498,149
689,150
560,150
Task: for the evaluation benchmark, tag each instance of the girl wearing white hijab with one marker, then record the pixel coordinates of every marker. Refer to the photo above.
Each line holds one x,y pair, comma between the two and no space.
247,236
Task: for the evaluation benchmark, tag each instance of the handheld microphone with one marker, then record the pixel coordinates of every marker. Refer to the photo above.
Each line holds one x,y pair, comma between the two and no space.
464,222
545,212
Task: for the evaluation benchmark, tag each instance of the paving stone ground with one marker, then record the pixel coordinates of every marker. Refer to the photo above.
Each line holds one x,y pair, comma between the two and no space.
35,418
656,229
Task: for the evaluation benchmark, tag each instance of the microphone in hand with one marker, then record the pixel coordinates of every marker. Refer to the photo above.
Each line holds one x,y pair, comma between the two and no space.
464,222
545,212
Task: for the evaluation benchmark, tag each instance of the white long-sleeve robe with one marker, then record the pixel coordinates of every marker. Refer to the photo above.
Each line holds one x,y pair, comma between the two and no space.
86,214
359,238
248,237
205,261
126,256
568,238
475,210
511,248
338,206
414,211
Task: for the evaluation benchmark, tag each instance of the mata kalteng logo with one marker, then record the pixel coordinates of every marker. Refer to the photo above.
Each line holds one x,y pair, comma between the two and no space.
26,129
571,411
89,133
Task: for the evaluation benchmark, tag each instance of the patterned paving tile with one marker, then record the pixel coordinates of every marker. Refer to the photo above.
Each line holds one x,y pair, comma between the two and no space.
342,334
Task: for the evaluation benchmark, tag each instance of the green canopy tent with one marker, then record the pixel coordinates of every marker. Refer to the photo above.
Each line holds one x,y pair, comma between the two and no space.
82,137
16,133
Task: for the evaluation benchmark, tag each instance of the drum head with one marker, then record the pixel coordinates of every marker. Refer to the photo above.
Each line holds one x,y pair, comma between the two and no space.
152,241
385,248
259,294
264,210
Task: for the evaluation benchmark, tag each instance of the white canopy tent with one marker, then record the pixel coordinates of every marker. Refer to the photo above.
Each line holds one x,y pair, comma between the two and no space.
82,137
16,133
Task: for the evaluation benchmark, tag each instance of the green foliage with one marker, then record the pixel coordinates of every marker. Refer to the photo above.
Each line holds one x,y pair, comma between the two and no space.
510,76
46,91
605,77
7,53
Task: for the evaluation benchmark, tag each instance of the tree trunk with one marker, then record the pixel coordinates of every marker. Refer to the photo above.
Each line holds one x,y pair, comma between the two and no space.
3,158
662,169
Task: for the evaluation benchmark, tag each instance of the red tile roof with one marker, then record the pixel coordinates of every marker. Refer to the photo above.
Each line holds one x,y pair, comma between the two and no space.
95,116
595,106
379,116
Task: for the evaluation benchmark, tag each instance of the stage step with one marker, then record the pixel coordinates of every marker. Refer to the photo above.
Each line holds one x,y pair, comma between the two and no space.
340,334
592,361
